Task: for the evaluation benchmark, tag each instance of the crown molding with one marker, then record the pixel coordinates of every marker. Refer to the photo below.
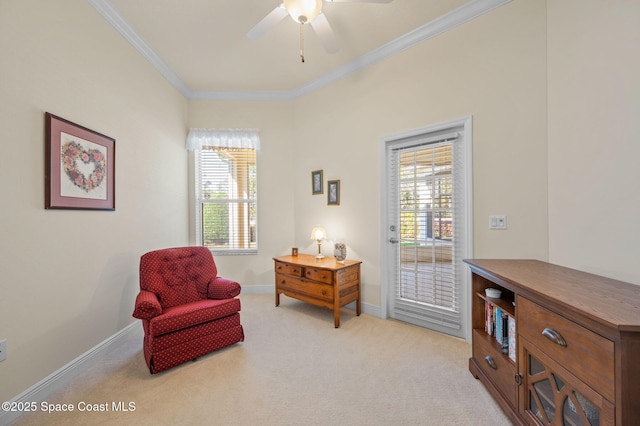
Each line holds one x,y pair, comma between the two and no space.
113,17
464,13
215,95
459,16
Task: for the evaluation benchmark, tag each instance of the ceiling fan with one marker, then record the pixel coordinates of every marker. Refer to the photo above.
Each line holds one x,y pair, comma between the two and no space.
305,12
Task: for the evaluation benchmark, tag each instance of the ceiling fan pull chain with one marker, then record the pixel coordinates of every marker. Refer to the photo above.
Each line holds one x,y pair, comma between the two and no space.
302,42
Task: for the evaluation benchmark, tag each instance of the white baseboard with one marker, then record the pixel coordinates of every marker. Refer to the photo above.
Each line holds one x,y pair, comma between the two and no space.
44,388
374,311
259,289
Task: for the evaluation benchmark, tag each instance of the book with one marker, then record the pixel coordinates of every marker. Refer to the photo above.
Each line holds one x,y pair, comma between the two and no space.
498,324
512,338
505,333
488,311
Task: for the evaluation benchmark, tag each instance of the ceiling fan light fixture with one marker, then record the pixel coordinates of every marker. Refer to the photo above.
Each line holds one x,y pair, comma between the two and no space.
303,11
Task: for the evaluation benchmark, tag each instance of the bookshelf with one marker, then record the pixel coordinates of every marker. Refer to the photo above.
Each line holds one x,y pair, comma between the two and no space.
487,350
500,323
575,338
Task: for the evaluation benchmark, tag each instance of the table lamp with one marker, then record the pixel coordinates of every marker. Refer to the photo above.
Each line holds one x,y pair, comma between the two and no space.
318,233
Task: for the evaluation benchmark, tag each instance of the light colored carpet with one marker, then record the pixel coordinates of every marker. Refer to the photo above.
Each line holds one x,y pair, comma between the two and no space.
294,368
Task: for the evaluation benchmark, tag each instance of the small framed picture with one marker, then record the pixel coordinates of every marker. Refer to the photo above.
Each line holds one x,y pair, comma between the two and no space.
294,251
333,193
316,182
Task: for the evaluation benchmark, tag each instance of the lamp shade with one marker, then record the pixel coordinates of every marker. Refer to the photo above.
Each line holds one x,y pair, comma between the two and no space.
318,233
303,11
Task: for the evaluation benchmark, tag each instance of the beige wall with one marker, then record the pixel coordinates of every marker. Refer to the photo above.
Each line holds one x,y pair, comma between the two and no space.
594,136
492,68
69,278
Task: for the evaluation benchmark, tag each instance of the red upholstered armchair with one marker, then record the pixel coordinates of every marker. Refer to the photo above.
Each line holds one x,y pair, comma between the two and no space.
186,310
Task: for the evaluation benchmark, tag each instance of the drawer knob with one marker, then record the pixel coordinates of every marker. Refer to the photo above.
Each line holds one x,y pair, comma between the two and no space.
324,292
491,362
554,336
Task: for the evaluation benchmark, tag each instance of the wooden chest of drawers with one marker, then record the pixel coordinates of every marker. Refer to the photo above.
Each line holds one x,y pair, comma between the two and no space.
322,282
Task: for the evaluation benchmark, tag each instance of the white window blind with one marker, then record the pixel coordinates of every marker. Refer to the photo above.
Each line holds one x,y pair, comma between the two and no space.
426,224
226,176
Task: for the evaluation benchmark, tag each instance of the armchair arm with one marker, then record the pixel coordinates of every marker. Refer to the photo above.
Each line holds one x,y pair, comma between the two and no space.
147,306
222,288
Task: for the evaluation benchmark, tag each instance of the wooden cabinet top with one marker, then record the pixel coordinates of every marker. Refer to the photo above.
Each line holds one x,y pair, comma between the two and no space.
604,301
311,261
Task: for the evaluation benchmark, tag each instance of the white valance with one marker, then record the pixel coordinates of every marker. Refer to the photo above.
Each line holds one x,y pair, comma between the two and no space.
223,138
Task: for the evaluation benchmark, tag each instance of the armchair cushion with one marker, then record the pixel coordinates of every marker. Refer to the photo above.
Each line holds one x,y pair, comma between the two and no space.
146,306
191,314
222,288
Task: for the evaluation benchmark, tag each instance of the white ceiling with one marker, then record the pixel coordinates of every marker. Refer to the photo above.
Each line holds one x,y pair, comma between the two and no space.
201,47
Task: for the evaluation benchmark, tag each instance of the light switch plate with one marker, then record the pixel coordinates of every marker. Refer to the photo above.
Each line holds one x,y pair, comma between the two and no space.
3,349
498,222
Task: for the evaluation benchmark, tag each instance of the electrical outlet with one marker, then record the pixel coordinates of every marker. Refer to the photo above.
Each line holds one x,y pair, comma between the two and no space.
498,222
3,349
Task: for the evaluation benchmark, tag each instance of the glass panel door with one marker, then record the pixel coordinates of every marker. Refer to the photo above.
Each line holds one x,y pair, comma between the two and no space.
427,221
553,396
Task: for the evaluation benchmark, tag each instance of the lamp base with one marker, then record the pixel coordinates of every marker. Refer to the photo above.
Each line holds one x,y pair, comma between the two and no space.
319,256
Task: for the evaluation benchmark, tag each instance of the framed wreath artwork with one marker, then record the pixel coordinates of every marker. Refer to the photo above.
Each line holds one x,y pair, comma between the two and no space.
79,167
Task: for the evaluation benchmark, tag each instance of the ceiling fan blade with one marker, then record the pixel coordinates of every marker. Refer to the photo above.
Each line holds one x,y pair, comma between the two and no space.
269,21
324,32
358,1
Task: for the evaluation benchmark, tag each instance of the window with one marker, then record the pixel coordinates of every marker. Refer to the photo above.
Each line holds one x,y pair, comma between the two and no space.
226,190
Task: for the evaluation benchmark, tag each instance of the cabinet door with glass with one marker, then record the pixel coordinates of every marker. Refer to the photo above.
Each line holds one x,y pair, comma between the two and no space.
551,395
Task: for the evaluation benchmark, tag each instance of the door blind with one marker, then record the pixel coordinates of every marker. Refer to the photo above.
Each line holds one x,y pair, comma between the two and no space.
426,224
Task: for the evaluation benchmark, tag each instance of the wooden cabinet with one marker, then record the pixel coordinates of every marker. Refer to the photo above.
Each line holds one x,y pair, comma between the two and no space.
322,282
577,344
